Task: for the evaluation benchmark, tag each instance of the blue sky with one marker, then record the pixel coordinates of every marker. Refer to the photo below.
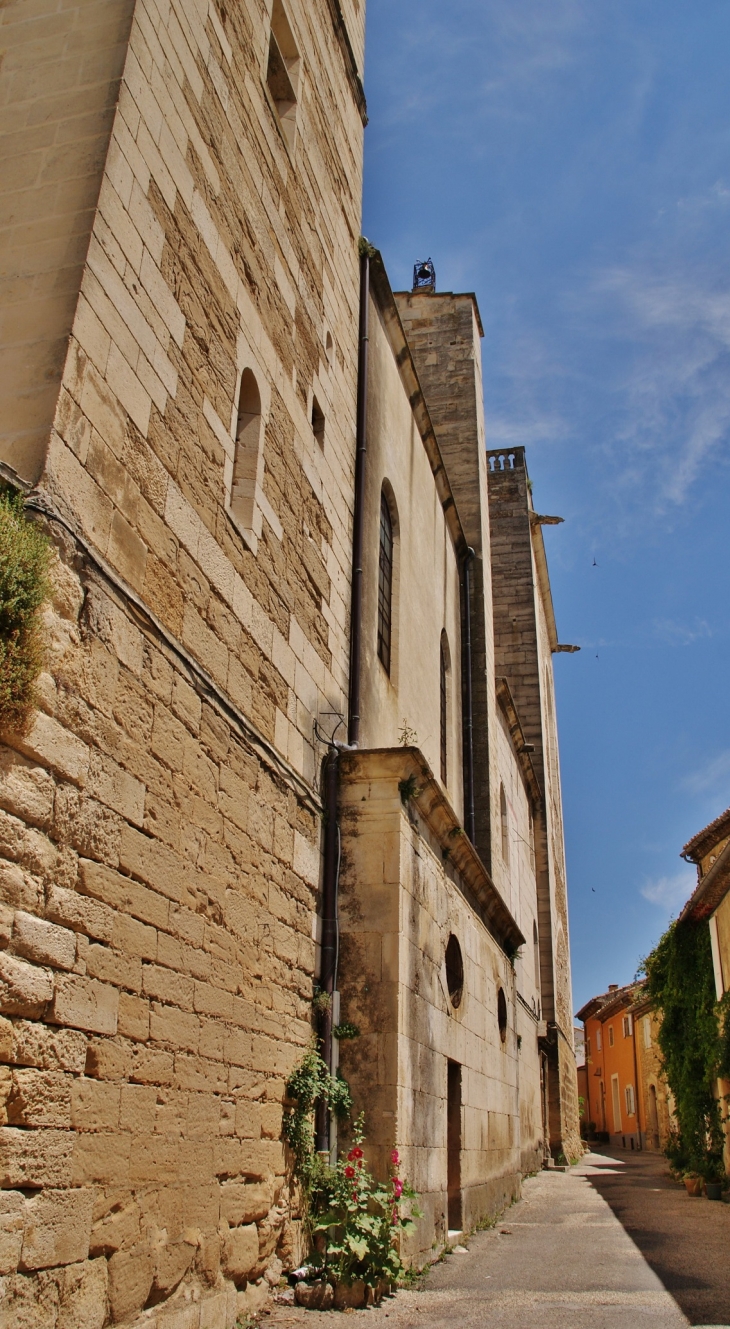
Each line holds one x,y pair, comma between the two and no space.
569,160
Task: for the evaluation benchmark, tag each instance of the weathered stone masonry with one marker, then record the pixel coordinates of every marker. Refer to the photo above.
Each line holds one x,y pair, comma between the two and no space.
160,825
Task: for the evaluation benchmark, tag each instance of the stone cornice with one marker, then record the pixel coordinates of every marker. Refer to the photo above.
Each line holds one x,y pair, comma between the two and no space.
711,891
408,767
519,742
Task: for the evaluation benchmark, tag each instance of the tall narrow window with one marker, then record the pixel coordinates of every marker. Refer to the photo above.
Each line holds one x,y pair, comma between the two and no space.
536,953
504,824
248,461
282,74
385,584
318,422
443,705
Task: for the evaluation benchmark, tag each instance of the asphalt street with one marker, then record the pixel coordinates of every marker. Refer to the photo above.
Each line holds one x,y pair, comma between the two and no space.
612,1244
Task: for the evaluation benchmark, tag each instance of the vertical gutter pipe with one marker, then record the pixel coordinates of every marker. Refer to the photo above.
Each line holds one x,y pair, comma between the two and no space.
468,724
330,931
353,728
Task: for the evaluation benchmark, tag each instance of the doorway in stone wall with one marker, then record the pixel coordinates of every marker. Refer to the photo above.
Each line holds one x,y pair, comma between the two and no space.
453,1150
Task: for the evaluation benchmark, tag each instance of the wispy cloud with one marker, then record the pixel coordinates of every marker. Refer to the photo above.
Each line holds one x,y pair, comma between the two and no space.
714,777
670,893
680,634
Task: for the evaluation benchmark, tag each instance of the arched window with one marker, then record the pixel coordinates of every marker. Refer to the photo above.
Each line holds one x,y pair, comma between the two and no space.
536,951
502,1015
385,584
248,459
454,971
504,824
444,664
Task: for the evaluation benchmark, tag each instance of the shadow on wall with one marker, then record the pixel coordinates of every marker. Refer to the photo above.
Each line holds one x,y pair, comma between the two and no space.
684,1240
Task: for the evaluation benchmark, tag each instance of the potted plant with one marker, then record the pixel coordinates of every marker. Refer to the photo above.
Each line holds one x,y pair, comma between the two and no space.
713,1188
693,1183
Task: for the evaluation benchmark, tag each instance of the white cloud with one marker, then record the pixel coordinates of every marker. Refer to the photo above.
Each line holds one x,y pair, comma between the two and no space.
714,777
680,634
670,893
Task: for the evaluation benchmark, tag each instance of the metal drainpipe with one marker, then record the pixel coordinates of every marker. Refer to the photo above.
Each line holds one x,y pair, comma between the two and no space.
330,937
469,817
353,728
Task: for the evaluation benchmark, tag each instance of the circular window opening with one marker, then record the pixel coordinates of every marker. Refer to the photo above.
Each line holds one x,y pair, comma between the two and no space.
454,971
502,1015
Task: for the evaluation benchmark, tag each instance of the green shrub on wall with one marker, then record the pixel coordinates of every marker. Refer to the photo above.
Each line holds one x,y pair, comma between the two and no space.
25,554
692,1041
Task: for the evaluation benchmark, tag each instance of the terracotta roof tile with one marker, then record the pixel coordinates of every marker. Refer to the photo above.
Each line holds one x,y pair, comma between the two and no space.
698,846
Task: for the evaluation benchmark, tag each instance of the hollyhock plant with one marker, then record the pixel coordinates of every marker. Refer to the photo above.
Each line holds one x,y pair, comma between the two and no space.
357,1231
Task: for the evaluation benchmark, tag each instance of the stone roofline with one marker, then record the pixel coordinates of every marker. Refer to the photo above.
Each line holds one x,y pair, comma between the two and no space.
519,742
449,295
707,838
383,294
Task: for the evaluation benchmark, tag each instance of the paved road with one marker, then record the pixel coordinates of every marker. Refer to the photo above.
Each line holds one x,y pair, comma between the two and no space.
561,1259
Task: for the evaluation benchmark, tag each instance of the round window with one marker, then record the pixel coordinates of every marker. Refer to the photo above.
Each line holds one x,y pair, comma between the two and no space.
454,971
502,1015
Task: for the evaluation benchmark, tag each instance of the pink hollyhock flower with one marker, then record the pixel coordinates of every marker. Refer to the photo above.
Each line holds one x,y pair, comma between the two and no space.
395,1158
397,1187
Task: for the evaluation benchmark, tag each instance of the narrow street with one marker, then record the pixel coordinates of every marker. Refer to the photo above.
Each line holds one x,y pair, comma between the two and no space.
612,1244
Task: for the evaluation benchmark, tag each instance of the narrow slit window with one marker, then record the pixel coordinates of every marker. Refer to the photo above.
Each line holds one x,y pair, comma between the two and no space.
385,584
504,824
247,463
443,699
318,422
282,74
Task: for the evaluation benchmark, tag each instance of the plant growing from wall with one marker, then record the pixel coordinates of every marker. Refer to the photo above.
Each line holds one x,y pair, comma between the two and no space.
693,1041
309,1084
353,1220
25,555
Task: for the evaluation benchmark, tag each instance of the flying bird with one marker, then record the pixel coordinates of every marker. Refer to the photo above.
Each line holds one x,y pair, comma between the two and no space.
594,563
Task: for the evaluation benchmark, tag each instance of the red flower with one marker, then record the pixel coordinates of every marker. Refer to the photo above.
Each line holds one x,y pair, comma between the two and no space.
354,1196
349,1171
397,1187
359,1162
356,1152
395,1158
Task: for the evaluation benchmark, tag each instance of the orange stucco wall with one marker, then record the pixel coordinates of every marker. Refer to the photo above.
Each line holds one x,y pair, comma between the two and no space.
604,1060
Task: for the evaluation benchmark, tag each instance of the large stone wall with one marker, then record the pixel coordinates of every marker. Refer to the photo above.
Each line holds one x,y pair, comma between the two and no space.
161,822
409,881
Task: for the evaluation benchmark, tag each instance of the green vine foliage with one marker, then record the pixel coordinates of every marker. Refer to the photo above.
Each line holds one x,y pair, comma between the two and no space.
25,554
694,1040
310,1082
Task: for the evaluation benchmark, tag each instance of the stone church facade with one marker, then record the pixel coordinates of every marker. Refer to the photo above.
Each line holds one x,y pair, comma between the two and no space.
187,406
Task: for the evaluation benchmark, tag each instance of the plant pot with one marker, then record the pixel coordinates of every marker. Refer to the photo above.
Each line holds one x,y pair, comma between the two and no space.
714,1190
693,1185
314,1296
350,1295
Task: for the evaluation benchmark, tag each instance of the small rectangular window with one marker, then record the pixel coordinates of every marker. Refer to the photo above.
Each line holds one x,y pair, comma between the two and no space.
318,422
647,1031
599,1039
610,1035
626,1025
630,1105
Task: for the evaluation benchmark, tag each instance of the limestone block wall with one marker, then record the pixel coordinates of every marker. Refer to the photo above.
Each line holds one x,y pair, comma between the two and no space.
160,823
403,895
426,594
444,332
524,635
157,883
59,82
